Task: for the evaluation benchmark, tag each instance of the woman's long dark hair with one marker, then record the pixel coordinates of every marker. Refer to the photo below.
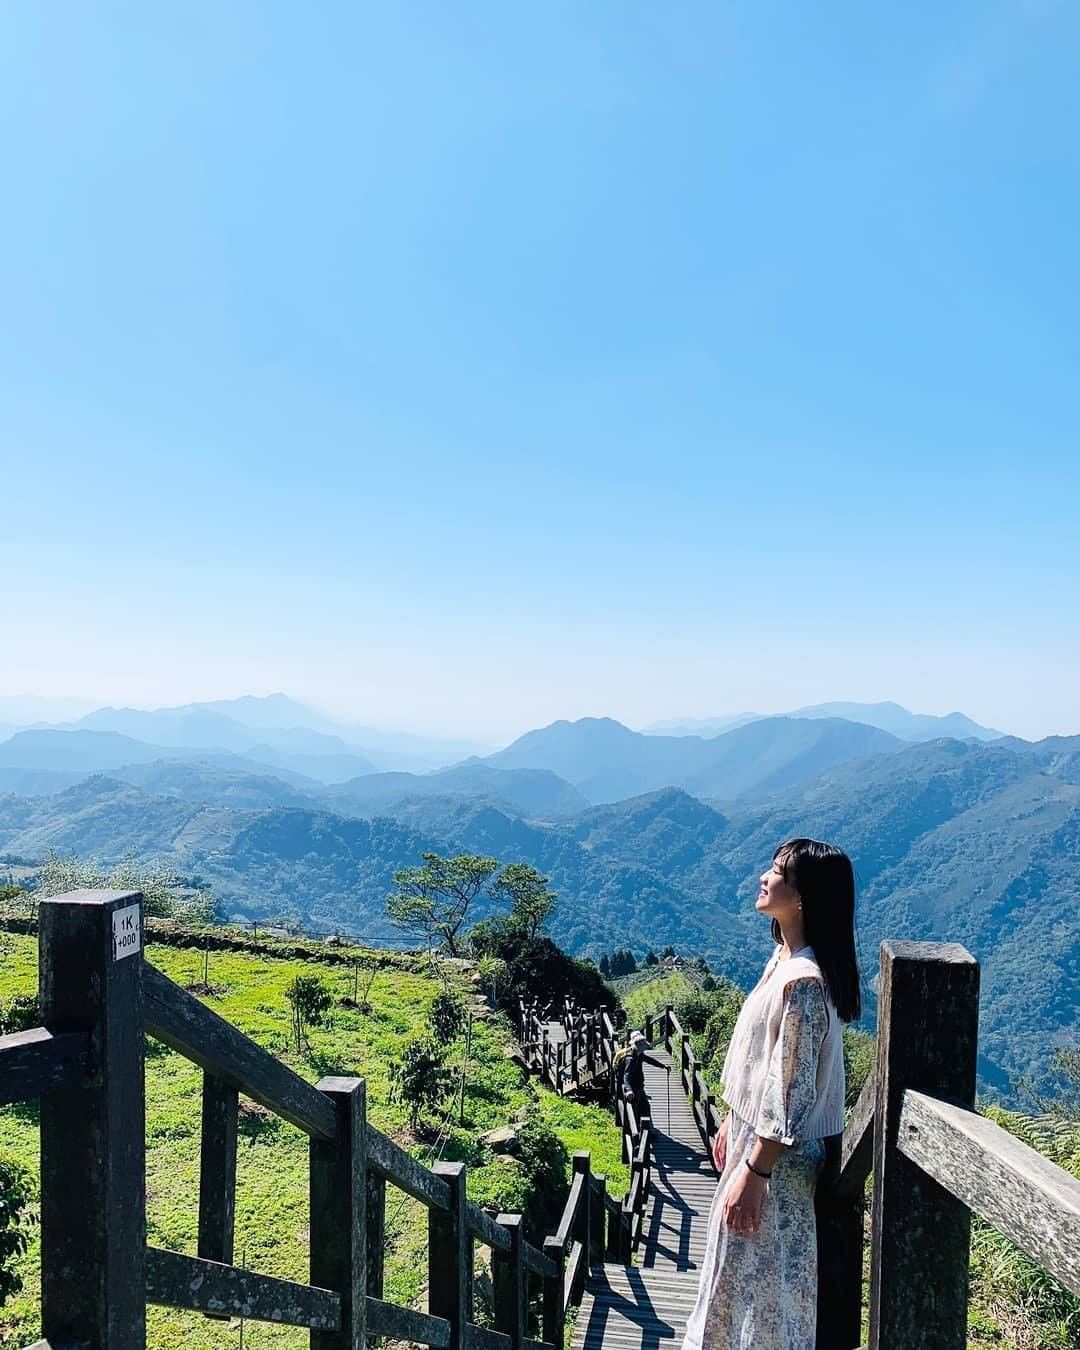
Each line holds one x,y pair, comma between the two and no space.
825,880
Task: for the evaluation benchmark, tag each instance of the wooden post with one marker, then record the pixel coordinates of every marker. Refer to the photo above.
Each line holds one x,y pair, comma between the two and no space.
376,1232
613,1251
648,1028
510,1280
597,1220
553,1319
582,1225
669,1008
338,1220
684,1058
928,1014
217,1174
450,1256
93,1138
217,1170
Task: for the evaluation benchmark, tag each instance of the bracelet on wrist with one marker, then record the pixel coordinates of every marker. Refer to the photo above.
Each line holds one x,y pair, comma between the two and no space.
757,1171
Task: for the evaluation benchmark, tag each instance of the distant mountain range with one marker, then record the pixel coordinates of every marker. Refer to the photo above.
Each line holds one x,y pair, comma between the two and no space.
275,731
890,717
962,840
607,762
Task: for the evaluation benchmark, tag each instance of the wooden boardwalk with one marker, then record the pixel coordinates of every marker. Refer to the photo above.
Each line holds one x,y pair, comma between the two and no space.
647,1305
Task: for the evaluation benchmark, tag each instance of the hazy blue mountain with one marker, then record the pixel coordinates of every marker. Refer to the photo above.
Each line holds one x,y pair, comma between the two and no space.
289,727
210,784
99,817
700,726
37,782
299,748
965,841
608,762
88,751
908,726
20,711
329,767
529,792
890,717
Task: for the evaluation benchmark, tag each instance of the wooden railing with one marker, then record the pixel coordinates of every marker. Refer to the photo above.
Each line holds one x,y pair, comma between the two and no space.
582,1059
933,1158
98,999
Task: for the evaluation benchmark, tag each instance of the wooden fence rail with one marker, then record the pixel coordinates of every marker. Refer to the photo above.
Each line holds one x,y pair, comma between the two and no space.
934,1161
98,1000
933,1158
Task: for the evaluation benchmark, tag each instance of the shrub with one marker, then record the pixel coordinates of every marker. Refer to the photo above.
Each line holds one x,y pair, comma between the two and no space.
693,1011
420,1079
310,1000
860,1050
19,1014
15,1218
537,969
447,1016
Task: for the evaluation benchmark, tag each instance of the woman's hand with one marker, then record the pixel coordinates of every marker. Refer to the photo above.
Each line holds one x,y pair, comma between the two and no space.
744,1202
719,1145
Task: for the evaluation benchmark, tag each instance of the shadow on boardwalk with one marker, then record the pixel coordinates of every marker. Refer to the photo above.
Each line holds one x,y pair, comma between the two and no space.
647,1305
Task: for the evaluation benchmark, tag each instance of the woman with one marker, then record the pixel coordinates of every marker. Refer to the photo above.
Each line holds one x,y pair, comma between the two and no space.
783,1081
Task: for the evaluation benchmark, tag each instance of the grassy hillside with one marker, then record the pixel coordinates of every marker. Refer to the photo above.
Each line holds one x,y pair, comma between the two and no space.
272,1208
647,991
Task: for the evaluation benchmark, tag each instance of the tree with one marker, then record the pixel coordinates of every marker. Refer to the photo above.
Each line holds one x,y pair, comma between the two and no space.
433,901
493,972
605,967
310,1000
447,1016
419,1079
526,892
668,951
365,968
651,958
160,887
15,1217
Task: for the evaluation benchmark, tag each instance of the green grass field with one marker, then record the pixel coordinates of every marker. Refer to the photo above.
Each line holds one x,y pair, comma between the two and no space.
272,1206
642,996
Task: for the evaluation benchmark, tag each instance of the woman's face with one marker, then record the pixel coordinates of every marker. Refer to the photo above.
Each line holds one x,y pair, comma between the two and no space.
776,896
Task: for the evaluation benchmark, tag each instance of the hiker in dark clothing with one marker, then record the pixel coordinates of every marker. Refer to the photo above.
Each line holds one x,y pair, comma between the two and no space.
633,1075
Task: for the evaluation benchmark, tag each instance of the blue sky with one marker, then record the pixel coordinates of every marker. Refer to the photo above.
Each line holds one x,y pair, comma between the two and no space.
467,366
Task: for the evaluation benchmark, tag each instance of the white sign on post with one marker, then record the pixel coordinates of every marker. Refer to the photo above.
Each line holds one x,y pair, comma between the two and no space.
126,937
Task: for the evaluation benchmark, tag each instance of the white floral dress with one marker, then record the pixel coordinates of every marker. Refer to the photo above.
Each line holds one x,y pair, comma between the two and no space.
760,1292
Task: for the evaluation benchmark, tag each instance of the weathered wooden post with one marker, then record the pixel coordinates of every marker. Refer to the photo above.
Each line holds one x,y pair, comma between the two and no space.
582,1219
217,1173
597,1220
686,1054
376,1232
450,1256
669,1008
510,1280
648,1028
338,1219
217,1169
928,1014
93,1138
553,1316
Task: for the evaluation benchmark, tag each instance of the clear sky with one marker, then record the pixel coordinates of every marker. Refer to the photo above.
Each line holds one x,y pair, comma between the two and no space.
465,366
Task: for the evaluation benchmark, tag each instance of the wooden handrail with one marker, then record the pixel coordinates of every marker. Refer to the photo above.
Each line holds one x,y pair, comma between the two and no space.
206,1286
403,1171
1022,1194
38,1061
570,1210
184,1024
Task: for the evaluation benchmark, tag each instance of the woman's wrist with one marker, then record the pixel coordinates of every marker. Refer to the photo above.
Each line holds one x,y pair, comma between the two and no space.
757,1171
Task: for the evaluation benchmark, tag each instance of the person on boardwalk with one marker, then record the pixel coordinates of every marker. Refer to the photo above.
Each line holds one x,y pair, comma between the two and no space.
783,1082
633,1074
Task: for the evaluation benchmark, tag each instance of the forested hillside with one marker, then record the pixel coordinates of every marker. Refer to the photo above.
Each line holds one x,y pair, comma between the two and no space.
979,843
